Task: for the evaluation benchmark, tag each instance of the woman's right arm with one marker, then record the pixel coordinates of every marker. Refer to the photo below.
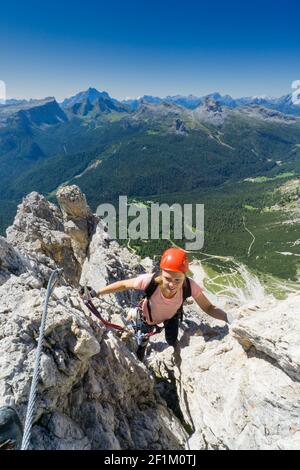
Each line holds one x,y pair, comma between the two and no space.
117,287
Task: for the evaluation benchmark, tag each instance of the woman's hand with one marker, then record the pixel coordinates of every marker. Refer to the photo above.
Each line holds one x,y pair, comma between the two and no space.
91,291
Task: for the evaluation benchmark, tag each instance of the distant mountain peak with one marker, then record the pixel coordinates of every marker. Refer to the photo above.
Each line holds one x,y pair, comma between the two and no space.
91,94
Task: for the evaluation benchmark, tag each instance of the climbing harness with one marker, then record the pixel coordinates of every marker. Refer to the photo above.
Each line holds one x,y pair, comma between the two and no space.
138,324
32,396
132,325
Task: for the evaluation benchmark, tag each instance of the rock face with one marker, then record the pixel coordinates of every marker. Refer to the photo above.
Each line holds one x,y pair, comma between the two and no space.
210,111
11,430
273,332
11,262
51,237
179,127
238,388
79,222
230,388
93,393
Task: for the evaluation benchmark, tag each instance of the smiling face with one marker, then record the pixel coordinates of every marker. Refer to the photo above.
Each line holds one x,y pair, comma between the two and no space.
171,282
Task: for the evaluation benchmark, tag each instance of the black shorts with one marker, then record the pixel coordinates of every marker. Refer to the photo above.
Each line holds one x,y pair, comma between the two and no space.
171,329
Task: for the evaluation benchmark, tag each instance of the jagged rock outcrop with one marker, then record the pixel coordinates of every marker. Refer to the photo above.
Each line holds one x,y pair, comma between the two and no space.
274,332
237,388
93,393
51,237
210,111
232,387
11,430
11,262
79,222
179,127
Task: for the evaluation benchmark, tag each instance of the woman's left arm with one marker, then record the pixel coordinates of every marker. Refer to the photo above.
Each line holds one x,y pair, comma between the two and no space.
211,309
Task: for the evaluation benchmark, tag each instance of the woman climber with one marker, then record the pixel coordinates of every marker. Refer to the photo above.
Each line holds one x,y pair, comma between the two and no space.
165,294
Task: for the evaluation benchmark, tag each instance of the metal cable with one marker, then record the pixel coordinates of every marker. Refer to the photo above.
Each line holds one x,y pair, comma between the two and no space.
36,372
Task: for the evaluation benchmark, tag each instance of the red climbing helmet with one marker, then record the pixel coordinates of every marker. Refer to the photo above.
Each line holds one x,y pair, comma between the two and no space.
175,259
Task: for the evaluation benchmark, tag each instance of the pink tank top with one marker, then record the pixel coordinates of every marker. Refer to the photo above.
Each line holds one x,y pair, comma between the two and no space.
162,308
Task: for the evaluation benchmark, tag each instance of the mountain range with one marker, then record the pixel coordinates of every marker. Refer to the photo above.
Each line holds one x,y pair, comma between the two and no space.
231,154
283,104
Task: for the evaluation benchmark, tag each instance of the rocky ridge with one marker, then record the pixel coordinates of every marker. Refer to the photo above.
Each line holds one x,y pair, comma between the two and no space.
233,388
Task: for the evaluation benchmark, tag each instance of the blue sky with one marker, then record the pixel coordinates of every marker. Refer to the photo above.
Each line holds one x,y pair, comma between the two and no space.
131,48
